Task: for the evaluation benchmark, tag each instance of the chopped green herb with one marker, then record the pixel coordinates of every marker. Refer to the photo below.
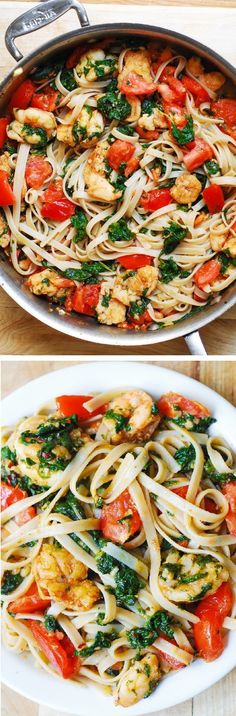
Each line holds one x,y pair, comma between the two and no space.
68,80
169,269
199,425
220,478
173,234
79,221
89,271
212,167
184,135
138,307
28,130
70,506
119,231
113,104
121,422
102,641
51,624
185,456
141,637
10,582
100,618
126,129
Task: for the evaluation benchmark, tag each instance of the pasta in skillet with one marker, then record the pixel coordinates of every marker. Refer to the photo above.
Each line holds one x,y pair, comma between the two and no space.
117,181
119,534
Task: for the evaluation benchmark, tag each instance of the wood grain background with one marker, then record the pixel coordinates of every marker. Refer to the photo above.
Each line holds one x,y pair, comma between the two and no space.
220,700
213,23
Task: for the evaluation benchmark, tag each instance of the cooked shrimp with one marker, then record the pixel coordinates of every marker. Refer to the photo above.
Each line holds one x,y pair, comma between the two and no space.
135,105
109,310
153,121
138,61
129,289
28,452
138,682
34,126
185,577
186,189
85,131
94,64
49,283
223,243
60,575
139,416
98,186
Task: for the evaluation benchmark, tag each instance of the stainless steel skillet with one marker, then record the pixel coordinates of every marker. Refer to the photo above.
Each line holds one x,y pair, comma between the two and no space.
83,327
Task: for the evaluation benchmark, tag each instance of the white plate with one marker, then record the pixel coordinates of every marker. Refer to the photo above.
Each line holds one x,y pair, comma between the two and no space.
19,672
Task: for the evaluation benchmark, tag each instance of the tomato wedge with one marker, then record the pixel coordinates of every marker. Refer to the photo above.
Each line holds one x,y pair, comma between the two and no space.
85,299
59,210
131,166
37,170
198,155
178,88
10,495
118,153
30,602
56,651
3,130
120,519
181,491
214,198
171,404
21,98
229,491
135,261
199,93
6,194
225,109
48,100
155,199
74,404
211,611
134,84
208,273
143,320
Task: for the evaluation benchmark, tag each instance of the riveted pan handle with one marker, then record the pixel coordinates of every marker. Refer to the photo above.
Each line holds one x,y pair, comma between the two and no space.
195,344
38,17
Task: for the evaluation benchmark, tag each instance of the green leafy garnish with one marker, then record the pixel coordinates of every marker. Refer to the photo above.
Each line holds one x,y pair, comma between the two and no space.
121,423
39,131
119,231
126,129
212,167
102,641
169,269
113,104
70,506
185,456
173,234
137,308
220,478
141,637
199,425
68,80
7,454
79,221
10,582
89,271
51,624
184,135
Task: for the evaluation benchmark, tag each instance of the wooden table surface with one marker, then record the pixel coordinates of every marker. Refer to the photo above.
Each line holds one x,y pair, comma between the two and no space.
220,700
212,22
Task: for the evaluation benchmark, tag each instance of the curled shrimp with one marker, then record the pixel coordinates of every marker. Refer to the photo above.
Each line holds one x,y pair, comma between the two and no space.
132,417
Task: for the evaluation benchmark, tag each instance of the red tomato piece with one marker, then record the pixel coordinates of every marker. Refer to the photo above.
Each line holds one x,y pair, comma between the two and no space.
134,84
177,87
6,194
3,130
54,649
229,491
37,170
170,660
85,298
199,93
113,522
54,191
141,321
208,631
181,491
210,505
118,153
59,210
214,198
225,109
168,71
70,404
131,166
166,93
135,261
47,100
171,403
10,495
208,273
22,96
30,602
155,199
201,152
148,134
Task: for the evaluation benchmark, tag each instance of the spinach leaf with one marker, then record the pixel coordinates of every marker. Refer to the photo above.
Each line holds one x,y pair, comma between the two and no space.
79,221
7,454
198,425
185,456
70,506
89,271
226,260
158,623
39,131
128,583
68,80
126,129
102,641
173,234
51,624
184,135
219,478
31,488
169,269
113,104
212,167
121,423
10,582
119,231
138,307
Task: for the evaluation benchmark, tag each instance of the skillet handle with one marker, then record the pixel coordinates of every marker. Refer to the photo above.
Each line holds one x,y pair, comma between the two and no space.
38,17
195,344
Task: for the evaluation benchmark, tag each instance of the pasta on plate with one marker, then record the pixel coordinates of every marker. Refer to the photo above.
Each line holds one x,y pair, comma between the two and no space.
118,543
117,182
